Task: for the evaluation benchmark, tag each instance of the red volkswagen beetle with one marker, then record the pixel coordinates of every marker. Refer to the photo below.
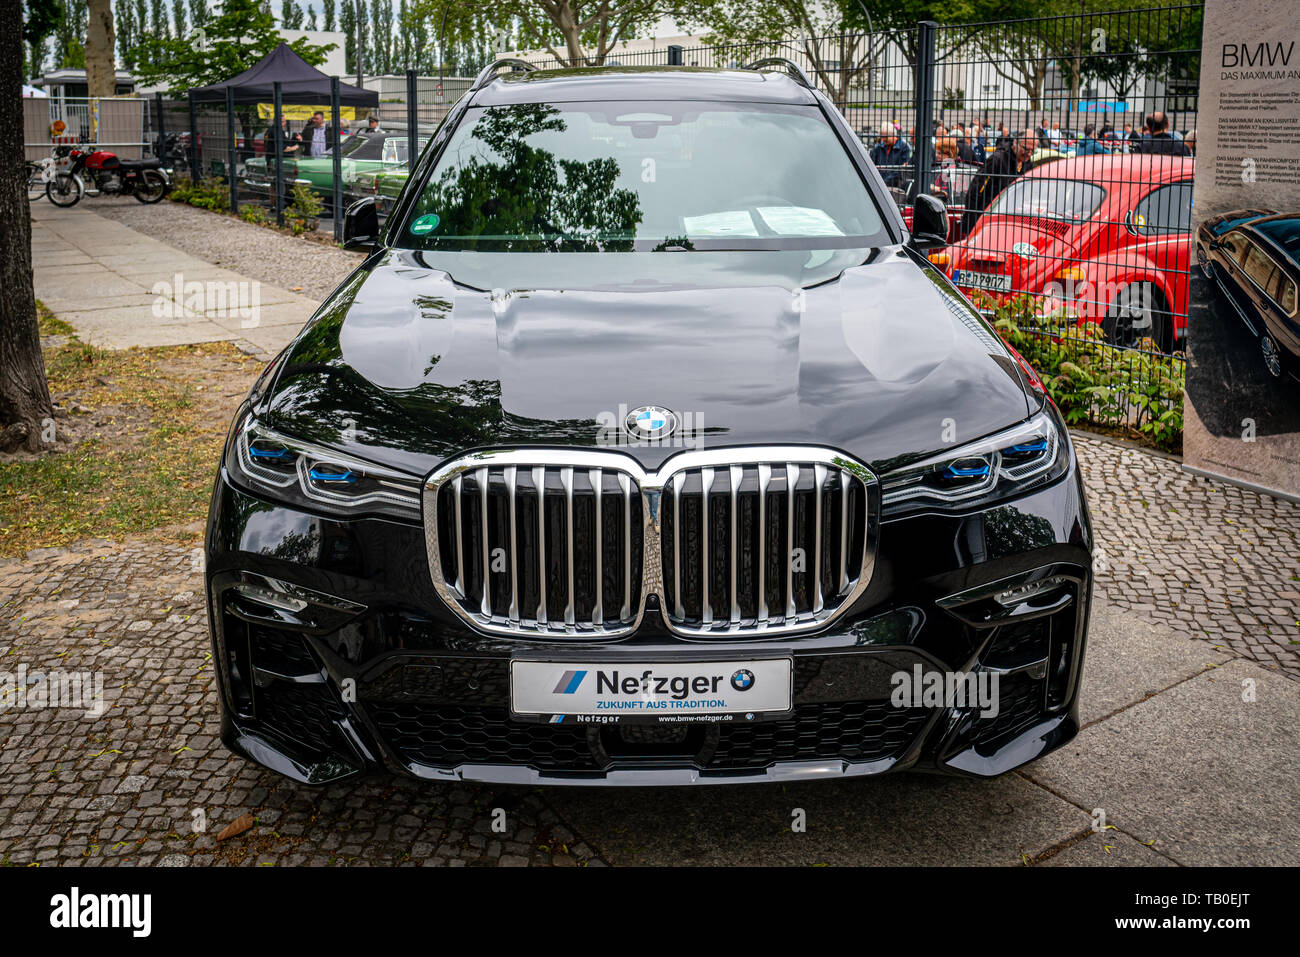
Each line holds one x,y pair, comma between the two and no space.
1106,238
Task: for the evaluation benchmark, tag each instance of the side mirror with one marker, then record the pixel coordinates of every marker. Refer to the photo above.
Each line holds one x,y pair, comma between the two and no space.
929,222
361,225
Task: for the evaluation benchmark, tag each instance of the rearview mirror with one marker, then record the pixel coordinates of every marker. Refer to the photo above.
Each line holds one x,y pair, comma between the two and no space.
929,222
361,225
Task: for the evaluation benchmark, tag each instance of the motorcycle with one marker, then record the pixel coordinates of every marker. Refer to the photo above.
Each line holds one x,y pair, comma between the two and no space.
146,180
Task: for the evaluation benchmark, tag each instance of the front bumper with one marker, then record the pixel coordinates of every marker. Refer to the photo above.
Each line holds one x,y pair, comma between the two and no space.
262,186
373,672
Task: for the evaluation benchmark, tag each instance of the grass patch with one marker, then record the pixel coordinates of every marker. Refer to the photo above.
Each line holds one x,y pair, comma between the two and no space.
50,324
144,443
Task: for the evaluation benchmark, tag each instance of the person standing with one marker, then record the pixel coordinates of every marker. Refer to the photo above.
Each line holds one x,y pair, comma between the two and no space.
316,135
290,140
1089,146
1002,167
978,144
1161,143
966,152
1132,139
891,155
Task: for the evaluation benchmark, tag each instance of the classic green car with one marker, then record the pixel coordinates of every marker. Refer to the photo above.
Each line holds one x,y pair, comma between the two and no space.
384,184
361,153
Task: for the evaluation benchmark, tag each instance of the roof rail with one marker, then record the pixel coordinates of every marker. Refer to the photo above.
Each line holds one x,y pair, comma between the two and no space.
789,66
490,71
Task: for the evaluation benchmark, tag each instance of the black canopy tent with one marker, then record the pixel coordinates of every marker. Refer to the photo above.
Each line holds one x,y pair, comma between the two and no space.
280,77
300,83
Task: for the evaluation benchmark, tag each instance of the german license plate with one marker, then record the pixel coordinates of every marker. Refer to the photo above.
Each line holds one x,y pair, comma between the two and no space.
995,282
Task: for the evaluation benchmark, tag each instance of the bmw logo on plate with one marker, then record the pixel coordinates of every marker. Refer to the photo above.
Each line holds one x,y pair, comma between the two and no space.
651,422
742,680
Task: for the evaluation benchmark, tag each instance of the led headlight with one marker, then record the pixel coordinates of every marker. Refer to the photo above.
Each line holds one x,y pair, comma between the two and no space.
300,473
1008,463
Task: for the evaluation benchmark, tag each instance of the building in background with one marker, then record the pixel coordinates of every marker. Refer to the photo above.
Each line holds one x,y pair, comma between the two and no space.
335,64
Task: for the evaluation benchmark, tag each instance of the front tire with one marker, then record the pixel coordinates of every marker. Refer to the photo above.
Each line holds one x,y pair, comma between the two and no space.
64,190
154,187
1203,262
1273,363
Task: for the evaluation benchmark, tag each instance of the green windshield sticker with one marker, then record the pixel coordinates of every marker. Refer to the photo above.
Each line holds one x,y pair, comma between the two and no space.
425,224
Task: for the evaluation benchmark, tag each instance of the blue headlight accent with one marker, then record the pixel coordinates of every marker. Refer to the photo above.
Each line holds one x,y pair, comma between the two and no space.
1023,448
280,454
974,471
319,476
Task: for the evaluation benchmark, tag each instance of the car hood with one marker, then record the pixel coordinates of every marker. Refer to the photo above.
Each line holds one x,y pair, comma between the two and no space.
405,366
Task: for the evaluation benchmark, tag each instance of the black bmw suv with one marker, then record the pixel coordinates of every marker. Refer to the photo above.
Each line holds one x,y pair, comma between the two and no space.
647,447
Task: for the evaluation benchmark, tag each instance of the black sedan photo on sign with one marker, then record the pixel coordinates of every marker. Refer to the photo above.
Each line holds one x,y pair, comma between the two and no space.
1250,256
646,446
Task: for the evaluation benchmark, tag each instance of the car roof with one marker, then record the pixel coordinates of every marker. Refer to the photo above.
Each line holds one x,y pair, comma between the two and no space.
1119,171
643,83
1282,230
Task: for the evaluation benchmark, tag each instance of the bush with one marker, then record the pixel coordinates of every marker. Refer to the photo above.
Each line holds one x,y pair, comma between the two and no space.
254,214
1138,391
206,194
303,212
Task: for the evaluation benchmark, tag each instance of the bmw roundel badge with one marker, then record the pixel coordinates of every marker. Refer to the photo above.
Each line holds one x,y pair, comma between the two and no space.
742,680
650,422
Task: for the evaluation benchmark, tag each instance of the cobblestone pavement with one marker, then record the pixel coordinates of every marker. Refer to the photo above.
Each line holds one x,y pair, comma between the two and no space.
131,786
1209,558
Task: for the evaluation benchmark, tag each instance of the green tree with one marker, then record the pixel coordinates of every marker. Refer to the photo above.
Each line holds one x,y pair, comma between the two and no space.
42,21
290,15
70,35
158,25
586,30
237,37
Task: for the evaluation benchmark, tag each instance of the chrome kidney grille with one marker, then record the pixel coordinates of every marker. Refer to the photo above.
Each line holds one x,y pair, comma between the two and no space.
766,545
731,542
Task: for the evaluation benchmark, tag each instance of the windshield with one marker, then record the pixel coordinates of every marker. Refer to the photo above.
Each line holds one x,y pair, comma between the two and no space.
623,176
351,144
1070,200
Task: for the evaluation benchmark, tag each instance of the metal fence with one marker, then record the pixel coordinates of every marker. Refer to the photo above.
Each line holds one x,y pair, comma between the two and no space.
120,124
235,146
1063,147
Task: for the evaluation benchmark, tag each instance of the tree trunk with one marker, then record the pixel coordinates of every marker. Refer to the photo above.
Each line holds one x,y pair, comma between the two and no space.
101,69
26,413
567,22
